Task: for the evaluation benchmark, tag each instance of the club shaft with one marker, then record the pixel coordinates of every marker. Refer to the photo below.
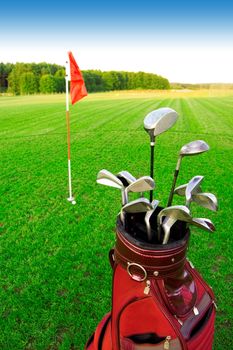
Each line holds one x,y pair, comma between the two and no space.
176,173
169,203
152,148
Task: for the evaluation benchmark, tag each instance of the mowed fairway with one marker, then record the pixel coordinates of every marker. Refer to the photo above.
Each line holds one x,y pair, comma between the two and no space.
55,279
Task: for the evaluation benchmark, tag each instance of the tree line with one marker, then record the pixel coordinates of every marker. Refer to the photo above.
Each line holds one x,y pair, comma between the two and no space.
32,78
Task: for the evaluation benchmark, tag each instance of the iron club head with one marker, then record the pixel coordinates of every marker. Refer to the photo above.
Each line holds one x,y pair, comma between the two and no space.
176,212
144,183
206,200
139,205
203,223
126,177
105,177
180,190
192,186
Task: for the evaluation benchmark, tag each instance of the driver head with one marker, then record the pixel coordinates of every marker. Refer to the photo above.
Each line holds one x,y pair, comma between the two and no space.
159,120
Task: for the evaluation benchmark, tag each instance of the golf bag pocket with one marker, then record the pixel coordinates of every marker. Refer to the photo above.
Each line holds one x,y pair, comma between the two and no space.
143,326
147,342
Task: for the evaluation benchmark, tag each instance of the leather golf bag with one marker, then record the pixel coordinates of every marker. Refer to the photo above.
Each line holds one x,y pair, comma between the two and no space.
159,300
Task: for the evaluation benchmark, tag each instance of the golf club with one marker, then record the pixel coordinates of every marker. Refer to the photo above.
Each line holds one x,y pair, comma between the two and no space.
126,177
144,183
176,212
204,199
180,190
139,205
190,149
203,223
148,215
192,186
105,177
155,123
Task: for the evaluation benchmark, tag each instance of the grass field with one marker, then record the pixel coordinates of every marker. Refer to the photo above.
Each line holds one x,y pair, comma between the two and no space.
55,279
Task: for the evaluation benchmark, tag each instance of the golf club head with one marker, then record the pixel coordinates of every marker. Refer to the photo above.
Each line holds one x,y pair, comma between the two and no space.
178,212
105,177
126,177
180,190
148,215
192,186
140,205
143,184
203,223
206,200
194,147
159,120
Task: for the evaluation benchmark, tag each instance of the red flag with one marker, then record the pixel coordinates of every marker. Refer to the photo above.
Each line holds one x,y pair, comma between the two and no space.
77,85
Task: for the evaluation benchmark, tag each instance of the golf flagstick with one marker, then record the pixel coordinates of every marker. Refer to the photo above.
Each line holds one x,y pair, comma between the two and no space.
77,92
70,198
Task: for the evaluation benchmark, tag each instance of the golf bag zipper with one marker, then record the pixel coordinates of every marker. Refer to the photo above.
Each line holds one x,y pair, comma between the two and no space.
147,288
166,345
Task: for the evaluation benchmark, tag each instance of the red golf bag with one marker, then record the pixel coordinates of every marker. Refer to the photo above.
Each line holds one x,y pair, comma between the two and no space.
159,300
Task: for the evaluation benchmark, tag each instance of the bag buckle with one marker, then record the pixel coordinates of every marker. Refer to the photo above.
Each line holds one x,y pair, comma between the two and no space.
134,276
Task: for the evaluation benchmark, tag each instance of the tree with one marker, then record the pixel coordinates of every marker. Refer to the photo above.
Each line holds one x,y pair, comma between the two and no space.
5,70
28,78
60,82
47,84
28,83
14,78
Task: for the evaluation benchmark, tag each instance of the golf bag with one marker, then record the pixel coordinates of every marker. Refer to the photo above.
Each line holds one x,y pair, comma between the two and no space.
159,300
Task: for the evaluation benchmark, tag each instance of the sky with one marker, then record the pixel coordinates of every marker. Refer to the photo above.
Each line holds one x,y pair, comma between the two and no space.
182,41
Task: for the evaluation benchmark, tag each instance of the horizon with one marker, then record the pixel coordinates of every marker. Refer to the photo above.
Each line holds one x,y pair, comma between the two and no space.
185,43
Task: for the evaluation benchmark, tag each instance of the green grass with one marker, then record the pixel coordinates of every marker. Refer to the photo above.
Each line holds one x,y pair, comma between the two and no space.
55,279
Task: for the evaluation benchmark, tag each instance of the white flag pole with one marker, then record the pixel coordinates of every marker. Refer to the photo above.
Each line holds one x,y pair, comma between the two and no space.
70,198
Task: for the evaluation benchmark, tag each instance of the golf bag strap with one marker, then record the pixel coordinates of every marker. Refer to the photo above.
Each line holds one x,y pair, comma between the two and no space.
142,263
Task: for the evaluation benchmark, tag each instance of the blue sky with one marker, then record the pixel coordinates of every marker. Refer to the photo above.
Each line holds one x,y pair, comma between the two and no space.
185,42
